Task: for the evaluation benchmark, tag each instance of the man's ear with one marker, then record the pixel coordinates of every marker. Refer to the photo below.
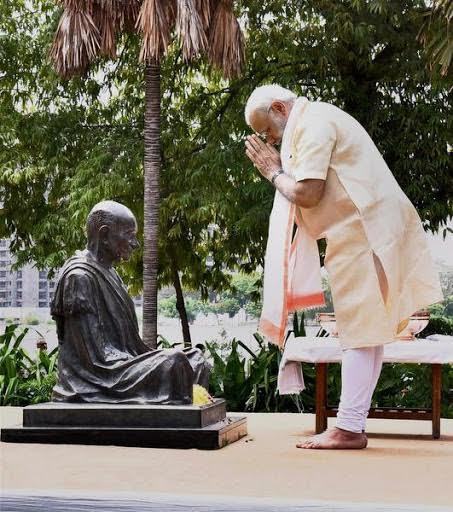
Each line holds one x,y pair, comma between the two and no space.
103,232
278,107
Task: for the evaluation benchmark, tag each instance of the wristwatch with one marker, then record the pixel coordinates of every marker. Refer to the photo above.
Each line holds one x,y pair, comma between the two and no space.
276,173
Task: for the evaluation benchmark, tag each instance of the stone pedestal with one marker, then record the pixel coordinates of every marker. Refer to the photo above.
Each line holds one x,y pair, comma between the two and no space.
159,426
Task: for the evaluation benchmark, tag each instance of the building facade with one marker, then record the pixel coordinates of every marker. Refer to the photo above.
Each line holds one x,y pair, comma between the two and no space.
26,287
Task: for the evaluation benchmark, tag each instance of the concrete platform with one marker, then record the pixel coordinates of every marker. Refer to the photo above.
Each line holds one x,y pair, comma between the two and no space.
402,468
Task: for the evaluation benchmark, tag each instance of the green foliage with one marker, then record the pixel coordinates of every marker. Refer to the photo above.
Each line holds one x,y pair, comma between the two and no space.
13,363
167,307
24,380
31,320
162,342
438,324
436,309
408,385
448,311
34,391
298,324
249,383
242,292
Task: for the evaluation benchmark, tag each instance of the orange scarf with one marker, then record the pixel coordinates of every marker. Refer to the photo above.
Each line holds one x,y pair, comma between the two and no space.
292,272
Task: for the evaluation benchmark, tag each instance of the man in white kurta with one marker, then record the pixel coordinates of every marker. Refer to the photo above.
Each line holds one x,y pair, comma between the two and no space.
377,258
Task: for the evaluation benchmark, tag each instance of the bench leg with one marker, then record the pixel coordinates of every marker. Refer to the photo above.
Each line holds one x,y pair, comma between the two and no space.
321,397
436,399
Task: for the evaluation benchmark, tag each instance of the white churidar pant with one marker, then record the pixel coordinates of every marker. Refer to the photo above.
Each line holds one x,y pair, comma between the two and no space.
360,370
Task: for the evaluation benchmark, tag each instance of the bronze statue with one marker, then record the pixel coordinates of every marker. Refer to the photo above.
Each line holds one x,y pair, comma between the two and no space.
102,357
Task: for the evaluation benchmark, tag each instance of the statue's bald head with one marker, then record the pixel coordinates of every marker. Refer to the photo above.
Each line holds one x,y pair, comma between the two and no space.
112,232
107,213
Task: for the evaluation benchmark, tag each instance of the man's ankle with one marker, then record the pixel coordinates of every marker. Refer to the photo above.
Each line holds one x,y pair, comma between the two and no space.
349,432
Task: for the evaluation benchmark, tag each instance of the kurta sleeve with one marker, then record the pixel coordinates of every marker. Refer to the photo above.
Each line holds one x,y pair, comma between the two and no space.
77,294
312,148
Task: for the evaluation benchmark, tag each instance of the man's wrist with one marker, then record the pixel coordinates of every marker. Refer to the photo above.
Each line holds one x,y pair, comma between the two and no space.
275,175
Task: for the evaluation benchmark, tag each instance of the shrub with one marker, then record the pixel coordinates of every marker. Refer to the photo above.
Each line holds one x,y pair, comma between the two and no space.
438,325
24,380
250,384
31,320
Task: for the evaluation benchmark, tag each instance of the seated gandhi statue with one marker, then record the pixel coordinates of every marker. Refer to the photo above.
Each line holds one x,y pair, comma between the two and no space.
101,355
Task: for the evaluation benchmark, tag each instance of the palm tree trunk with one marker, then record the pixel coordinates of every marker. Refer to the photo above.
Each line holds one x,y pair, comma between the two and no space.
151,202
181,307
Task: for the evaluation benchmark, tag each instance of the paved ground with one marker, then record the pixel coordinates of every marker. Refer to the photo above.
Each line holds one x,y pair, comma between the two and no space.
396,468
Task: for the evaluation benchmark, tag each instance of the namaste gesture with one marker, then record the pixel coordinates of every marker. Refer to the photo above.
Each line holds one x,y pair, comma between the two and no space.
263,155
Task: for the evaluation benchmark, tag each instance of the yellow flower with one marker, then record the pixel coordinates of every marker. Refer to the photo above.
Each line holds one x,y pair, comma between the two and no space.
201,396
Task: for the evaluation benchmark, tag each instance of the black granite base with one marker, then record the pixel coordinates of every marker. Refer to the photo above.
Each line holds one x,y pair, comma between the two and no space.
57,414
210,437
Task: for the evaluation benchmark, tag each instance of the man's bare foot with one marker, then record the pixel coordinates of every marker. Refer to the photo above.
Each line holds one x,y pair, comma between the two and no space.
335,439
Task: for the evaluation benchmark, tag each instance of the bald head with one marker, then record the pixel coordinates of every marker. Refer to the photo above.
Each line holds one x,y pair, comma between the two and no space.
112,232
107,213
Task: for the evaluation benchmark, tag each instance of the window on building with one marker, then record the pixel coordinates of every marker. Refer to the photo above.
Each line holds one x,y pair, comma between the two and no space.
18,295
3,242
52,284
18,304
3,254
18,284
2,273
42,274
2,295
42,285
42,304
43,295
2,263
3,284
19,274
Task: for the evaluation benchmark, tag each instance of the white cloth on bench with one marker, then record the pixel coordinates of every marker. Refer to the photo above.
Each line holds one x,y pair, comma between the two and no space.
436,349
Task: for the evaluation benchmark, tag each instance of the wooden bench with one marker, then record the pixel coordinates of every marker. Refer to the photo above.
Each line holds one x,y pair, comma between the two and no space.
322,351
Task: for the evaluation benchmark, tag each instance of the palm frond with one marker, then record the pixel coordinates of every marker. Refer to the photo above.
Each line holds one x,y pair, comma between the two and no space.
189,27
155,21
435,35
76,42
131,11
108,21
204,9
226,41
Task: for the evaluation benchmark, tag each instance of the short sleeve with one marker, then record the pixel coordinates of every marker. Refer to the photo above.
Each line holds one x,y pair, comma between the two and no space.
312,148
77,294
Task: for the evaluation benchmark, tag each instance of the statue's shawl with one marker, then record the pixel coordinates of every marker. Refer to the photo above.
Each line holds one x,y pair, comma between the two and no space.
86,287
